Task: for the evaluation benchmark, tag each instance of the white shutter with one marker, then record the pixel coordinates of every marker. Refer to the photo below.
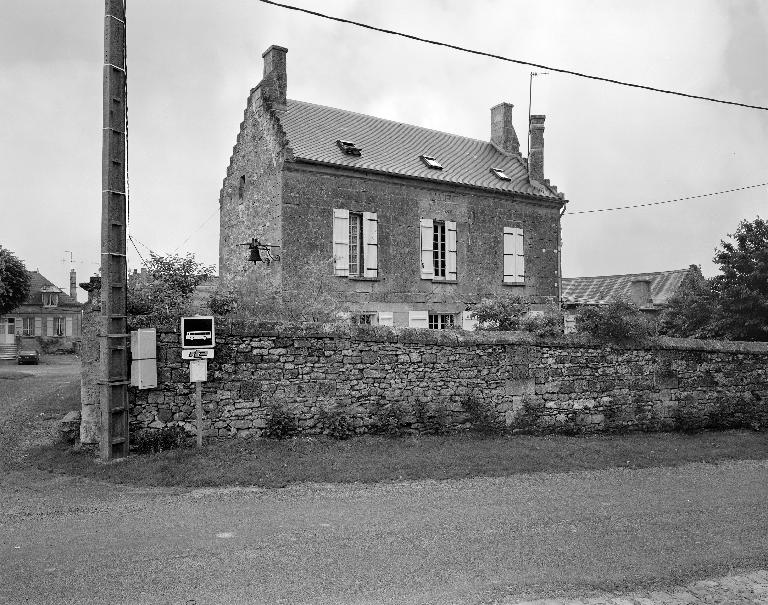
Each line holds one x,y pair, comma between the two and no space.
68,326
519,256
39,326
450,250
341,242
418,319
386,318
467,321
371,240
427,261
514,256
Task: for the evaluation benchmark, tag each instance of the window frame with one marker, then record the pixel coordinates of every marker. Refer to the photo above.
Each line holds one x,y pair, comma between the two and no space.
356,256
27,326
441,321
59,326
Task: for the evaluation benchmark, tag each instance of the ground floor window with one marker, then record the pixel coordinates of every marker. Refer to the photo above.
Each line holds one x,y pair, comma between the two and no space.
28,326
58,326
362,319
440,321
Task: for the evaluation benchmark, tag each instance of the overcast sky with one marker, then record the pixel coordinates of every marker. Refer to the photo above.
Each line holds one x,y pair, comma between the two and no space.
191,64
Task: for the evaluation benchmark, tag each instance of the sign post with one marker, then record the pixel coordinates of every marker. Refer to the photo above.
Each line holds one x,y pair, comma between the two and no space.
198,339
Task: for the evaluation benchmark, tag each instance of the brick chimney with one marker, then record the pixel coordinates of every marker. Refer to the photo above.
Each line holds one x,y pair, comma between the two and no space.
274,84
503,134
536,152
73,284
640,291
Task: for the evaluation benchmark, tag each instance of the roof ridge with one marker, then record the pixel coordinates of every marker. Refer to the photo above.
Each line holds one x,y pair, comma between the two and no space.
631,274
367,115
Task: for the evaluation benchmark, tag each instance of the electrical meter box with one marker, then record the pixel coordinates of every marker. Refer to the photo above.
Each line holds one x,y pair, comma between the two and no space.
144,358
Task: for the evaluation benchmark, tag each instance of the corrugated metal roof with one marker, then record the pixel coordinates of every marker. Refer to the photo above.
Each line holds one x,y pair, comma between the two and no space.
395,148
600,289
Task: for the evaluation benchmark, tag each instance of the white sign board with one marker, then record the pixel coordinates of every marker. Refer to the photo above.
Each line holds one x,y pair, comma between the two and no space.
198,370
197,353
197,332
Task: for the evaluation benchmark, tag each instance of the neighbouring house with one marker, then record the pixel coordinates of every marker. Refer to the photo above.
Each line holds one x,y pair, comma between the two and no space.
408,226
49,320
649,291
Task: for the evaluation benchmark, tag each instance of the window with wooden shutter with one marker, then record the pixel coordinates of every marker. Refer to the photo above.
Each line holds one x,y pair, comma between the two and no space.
426,226
371,244
450,250
341,242
418,319
386,318
39,326
68,326
514,256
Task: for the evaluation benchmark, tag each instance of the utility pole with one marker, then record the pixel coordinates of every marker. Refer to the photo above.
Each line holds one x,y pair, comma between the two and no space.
113,338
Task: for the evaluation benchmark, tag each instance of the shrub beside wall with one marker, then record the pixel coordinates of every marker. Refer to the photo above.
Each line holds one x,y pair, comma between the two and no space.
269,380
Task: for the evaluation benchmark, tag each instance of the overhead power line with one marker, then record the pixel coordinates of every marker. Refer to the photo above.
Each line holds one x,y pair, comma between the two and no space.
680,199
502,58
205,222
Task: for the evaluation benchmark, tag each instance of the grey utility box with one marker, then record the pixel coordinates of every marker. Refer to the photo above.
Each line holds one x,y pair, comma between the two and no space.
144,358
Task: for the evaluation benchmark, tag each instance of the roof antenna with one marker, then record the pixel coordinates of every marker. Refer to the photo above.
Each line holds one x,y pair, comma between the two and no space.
530,92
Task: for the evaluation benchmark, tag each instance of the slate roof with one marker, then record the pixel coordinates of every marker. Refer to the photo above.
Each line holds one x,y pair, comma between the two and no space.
599,290
36,284
395,148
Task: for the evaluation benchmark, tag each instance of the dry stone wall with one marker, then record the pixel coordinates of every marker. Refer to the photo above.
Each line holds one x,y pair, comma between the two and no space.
372,375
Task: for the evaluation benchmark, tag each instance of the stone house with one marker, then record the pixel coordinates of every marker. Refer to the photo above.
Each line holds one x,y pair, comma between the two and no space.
50,319
649,291
408,226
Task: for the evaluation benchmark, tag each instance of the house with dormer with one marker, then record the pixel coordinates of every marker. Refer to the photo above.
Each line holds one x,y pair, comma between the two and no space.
416,225
48,313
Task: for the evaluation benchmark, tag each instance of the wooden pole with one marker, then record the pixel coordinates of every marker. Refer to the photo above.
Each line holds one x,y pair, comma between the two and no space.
113,344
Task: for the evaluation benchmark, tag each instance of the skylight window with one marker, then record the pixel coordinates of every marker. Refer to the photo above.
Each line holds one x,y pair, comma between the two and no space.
349,148
431,162
499,172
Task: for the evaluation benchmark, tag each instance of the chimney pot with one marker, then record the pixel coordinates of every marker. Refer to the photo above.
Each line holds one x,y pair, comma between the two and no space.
503,133
274,84
536,151
73,284
640,291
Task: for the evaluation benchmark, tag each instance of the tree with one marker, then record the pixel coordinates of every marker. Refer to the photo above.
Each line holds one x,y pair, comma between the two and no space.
14,281
620,321
502,313
163,294
742,286
693,311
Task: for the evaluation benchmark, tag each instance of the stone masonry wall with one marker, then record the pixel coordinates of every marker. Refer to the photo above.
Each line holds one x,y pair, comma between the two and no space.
522,383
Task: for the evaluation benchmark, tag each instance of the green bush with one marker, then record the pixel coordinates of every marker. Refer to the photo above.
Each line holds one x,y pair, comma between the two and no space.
148,441
619,321
481,418
280,424
336,423
433,420
390,419
502,313
549,324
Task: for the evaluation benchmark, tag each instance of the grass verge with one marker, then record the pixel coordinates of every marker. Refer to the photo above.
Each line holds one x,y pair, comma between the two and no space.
367,459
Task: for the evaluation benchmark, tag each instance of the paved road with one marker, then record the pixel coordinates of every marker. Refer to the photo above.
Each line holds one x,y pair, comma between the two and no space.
484,540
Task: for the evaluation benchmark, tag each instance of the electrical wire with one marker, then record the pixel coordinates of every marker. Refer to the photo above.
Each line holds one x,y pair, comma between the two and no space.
203,224
507,59
680,199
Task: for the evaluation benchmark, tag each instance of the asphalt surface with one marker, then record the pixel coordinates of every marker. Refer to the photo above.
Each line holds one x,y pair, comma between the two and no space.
483,540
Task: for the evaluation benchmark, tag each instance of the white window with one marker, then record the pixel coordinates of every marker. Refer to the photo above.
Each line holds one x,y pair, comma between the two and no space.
438,249
440,321
355,244
28,326
514,256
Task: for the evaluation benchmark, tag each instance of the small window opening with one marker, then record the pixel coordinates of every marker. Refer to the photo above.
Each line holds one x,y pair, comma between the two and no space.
241,188
431,162
362,319
356,265
438,249
349,148
499,172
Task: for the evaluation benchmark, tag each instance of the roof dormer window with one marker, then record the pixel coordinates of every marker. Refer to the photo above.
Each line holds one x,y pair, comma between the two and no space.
349,148
499,173
431,162
50,299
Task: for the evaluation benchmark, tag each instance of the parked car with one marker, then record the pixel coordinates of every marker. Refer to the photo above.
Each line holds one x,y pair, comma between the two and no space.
29,356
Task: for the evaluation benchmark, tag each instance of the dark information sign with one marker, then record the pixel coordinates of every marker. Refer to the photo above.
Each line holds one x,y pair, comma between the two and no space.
197,333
